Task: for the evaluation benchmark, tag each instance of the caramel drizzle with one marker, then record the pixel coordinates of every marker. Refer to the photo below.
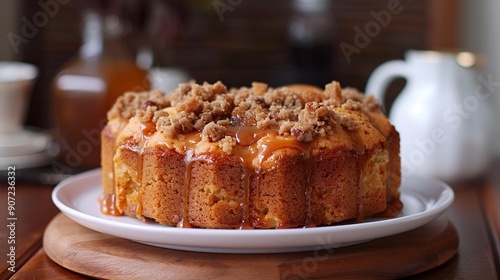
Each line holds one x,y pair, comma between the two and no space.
359,152
247,138
245,205
189,160
394,204
107,201
147,130
392,210
184,223
270,145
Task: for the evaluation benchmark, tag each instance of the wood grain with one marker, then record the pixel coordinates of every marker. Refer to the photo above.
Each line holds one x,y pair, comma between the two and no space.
103,256
40,266
29,224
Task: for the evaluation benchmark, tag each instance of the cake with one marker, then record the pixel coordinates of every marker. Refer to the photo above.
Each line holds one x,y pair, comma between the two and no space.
252,157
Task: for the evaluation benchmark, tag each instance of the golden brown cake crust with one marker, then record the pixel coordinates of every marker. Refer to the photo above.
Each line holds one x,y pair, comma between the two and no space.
257,157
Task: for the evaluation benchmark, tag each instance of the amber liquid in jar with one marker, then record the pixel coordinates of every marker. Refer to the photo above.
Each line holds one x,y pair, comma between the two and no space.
86,88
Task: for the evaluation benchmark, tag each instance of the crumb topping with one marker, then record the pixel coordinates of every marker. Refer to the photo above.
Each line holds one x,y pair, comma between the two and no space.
301,111
131,103
368,103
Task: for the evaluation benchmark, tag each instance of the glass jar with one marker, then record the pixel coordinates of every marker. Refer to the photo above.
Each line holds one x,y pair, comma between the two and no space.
88,85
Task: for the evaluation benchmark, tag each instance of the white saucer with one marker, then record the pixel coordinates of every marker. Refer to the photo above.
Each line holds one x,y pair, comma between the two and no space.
424,199
27,161
27,149
24,143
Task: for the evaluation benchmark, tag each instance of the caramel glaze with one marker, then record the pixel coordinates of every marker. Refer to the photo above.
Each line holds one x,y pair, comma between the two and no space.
394,207
394,204
189,160
147,130
107,201
248,151
247,138
359,151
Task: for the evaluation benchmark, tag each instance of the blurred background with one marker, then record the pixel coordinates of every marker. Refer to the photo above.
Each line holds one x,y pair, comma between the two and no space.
240,41
249,41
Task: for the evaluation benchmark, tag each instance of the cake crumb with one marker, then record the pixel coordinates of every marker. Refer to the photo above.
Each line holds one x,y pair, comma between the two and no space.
213,132
227,144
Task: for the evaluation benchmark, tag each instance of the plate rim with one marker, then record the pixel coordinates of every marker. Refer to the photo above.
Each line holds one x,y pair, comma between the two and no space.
398,224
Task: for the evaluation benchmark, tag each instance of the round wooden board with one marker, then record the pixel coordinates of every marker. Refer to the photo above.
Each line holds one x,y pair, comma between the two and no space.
104,256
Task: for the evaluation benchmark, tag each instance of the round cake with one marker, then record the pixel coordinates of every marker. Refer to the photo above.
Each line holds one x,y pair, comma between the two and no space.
252,157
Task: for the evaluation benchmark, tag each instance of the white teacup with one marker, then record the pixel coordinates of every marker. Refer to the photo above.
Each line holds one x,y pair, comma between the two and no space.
16,82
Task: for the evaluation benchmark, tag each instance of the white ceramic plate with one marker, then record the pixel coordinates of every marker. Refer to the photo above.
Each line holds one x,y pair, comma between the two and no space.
424,200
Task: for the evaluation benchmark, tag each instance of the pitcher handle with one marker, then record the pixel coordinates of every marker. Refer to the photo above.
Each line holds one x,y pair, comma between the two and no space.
381,77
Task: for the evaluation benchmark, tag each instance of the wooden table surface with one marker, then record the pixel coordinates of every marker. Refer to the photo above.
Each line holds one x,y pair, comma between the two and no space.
475,214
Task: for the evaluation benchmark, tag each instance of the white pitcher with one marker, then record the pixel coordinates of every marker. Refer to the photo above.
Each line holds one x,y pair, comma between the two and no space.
442,114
